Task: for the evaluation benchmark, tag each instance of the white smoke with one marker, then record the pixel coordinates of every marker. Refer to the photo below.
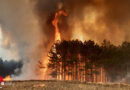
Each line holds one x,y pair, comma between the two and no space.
8,51
21,34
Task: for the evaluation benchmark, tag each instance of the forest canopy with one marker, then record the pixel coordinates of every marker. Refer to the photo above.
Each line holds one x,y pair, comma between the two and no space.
89,61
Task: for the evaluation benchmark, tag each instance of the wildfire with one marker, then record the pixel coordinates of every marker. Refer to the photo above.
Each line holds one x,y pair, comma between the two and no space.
7,78
55,23
43,68
45,59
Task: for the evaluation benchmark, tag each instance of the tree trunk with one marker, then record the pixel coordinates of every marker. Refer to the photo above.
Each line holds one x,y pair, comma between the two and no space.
71,72
62,72
73,69
91,74
76,71
96,77
85,71
68,72
56,72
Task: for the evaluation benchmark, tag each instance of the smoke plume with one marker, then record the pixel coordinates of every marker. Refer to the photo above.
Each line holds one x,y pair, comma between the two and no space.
87,19
11,67
21,36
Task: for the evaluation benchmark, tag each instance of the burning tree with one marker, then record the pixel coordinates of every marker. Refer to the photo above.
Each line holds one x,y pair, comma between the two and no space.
73,61
88,61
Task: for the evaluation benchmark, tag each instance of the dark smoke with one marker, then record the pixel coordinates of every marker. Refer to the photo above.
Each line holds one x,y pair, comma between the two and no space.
11,67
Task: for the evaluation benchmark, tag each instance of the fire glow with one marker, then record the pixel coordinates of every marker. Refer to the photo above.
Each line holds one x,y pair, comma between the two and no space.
8,78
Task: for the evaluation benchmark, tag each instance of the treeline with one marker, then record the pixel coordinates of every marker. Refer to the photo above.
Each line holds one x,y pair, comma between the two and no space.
10,67
89,61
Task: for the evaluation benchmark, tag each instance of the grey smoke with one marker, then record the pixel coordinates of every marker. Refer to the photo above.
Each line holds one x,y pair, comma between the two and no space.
21,28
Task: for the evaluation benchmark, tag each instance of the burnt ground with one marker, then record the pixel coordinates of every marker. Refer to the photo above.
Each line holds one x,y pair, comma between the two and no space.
61,85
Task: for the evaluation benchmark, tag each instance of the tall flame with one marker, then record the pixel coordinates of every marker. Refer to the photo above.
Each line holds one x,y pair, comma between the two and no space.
45,59
55,24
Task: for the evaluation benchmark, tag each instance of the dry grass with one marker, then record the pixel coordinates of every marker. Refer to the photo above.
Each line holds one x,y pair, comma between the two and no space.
61,85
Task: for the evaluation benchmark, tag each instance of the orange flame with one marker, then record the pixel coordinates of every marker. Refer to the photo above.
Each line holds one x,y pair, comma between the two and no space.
45,59
7,78
55,24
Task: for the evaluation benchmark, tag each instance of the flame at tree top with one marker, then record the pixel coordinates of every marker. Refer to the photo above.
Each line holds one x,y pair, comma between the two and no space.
55,23
45,59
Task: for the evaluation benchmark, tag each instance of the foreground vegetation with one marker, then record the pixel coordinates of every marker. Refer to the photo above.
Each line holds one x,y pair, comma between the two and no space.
61,85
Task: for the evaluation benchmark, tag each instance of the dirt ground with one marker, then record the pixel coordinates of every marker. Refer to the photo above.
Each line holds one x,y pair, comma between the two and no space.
61,85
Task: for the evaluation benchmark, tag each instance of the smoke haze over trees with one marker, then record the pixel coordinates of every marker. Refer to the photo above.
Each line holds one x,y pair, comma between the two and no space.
91,19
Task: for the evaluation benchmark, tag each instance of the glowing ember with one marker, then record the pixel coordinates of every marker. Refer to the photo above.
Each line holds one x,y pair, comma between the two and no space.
55,24
7,78
39,85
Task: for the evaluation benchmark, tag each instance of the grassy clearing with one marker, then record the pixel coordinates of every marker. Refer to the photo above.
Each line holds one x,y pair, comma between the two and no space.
61,85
